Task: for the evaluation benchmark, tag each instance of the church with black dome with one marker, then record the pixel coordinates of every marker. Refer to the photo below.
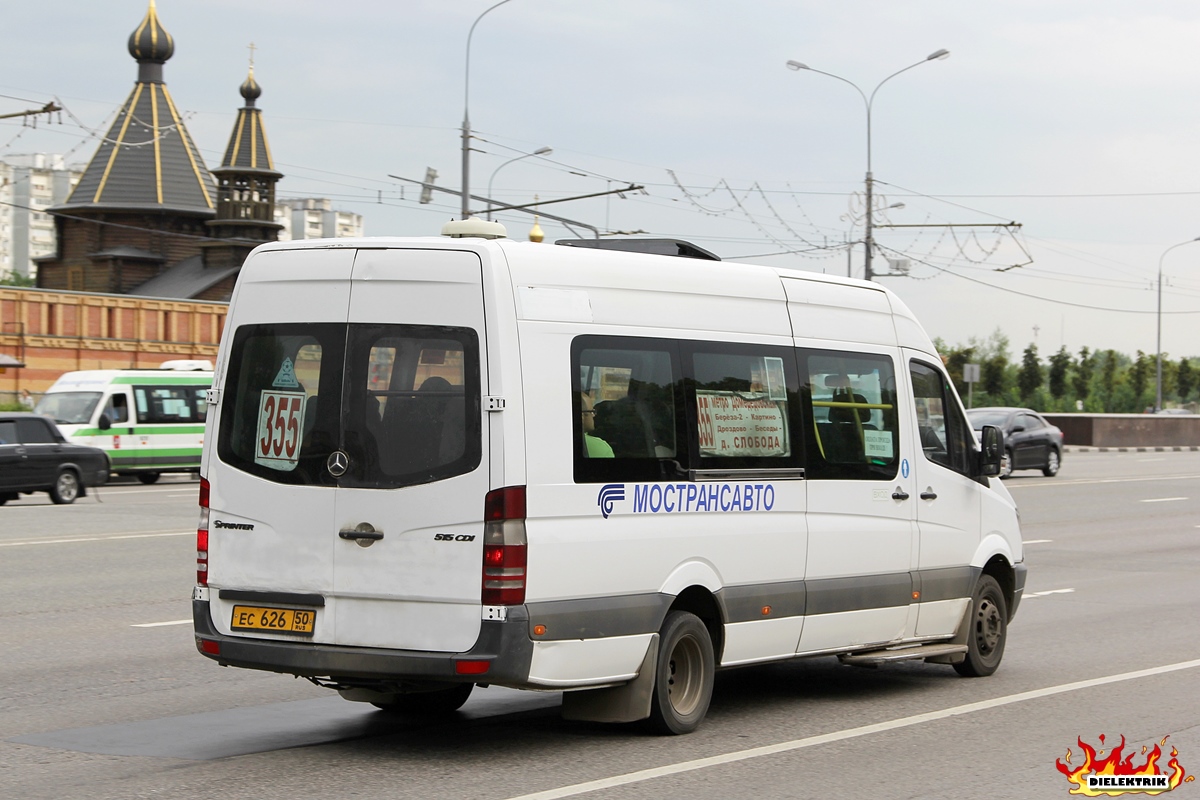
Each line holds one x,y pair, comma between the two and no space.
147,217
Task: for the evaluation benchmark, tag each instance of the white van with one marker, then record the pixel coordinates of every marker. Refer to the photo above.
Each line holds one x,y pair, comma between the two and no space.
435,463
149,421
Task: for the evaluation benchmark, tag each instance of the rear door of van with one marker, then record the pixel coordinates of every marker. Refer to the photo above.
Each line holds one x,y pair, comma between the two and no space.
350,438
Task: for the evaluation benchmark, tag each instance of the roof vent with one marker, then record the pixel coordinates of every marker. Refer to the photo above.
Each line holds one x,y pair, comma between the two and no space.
474,227
187,365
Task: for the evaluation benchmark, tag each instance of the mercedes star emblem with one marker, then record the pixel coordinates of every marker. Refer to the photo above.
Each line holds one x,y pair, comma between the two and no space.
337,464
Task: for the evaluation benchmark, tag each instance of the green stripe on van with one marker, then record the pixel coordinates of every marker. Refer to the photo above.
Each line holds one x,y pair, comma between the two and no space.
133,454
166,380
120,429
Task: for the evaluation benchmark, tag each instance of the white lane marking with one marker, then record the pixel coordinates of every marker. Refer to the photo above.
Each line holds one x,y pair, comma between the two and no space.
149,490
1043,541
161,624
1088,481
1162,499
1048,591
849,733
75,540
195,494
1149,460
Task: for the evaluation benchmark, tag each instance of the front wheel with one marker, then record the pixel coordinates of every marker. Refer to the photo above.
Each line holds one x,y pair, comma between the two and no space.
988,632
435,703
65,488
148,477
683,677
1052,463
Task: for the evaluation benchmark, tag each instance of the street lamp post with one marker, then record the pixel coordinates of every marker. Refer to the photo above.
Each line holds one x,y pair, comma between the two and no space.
869,226
541,151
466,123
1158,340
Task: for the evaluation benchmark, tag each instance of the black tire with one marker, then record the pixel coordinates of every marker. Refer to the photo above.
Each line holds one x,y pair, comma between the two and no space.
65,488
148,477
988,632
1053,462
683,677
428,704
1006,465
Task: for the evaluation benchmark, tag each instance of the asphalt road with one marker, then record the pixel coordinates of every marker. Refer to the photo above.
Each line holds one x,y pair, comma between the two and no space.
102,694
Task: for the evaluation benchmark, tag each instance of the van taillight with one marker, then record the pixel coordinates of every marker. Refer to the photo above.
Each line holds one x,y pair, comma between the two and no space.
504,547
202,536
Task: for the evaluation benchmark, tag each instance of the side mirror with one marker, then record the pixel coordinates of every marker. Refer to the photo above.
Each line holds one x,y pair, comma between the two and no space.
104,423
991,450
1018,428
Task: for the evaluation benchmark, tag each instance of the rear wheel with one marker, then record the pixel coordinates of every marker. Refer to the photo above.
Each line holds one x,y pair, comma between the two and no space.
1052,463
989,630
683,679
65,488
437,702
148,477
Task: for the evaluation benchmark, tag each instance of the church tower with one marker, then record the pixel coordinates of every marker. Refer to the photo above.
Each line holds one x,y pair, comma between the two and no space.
143,201
245,214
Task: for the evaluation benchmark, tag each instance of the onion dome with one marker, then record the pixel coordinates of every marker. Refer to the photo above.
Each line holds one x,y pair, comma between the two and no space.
250,89
150,42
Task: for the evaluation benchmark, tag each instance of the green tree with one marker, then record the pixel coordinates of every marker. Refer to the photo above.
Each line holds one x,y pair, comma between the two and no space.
1185,379
1081,381
1108,376
1029,378
16,279
1139,375
1060,362
994,372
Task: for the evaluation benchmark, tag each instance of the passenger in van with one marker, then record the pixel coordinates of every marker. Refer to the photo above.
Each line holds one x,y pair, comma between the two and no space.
594,446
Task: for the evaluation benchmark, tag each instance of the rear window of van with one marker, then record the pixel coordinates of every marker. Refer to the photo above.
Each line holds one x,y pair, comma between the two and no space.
401,403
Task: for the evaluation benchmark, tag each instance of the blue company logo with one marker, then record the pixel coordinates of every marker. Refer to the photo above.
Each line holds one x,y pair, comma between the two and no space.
689,497
904,467
609,494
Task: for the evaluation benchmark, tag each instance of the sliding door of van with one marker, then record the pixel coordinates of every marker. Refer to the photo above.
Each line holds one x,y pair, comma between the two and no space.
408,547
861,538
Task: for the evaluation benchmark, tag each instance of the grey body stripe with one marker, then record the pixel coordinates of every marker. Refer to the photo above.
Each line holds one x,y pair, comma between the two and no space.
832,595
947,583
745,603
596,617
629,615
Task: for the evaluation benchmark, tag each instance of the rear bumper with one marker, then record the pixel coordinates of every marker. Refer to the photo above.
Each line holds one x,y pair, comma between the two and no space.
506,645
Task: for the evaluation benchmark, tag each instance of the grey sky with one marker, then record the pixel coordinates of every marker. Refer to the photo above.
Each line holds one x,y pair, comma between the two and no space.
1075,119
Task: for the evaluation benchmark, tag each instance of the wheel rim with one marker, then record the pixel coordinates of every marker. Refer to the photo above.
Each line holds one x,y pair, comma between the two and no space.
1052,462
68,487
685,676
989,626
1006,468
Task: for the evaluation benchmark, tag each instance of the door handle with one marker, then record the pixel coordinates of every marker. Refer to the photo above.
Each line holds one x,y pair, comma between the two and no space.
929,494
363,534
899,494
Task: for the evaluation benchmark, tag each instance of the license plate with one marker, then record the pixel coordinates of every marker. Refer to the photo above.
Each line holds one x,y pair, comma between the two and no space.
280,620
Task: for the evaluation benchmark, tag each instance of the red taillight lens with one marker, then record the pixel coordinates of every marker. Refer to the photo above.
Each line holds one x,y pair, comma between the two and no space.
202,537
504,547
471,667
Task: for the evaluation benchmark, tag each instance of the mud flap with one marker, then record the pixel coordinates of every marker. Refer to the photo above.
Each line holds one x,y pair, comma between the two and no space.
960,638
629,702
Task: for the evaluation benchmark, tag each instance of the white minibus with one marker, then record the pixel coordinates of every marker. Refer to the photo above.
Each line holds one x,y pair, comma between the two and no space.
148,421
433,464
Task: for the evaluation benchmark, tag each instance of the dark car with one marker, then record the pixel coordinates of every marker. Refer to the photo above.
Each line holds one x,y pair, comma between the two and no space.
34,457
1030,442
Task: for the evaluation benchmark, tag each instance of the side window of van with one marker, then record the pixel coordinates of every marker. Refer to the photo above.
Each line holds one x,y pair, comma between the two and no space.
745,401
165,404
626,404
855,427
117,409
945,435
